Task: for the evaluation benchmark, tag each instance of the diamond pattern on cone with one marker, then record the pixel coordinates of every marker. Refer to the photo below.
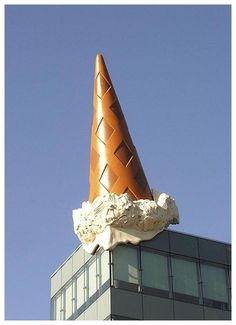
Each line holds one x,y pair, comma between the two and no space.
116,109
108,178
104,131
111,142
130,193
123,153
102,85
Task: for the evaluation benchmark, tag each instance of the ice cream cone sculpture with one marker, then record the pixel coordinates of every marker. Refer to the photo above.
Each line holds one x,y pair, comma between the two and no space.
121,206
114,163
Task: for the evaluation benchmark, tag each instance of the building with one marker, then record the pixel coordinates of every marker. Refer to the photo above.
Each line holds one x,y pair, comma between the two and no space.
139,271
173,276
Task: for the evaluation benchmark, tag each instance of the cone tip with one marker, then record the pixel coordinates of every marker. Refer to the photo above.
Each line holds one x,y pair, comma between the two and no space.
99,55
99,63
99,58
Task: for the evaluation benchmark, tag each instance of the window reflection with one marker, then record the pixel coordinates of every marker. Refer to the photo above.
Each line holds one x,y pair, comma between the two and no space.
185,276
125,261
154,270
155,280
214,283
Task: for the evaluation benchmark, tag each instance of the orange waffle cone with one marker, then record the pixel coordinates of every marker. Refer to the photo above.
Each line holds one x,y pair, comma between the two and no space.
114,163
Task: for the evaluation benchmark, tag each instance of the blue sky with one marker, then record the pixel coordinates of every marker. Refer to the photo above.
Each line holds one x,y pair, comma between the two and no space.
170,66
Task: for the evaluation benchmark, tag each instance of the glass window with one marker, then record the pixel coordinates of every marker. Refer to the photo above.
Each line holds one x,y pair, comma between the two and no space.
79,289
125,261
185,277
154,270
57,307
62,305
214,283
52,309
104,267
91,278
73,295
68,300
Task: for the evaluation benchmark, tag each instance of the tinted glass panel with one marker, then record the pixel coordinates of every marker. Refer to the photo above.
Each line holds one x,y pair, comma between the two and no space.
80,289
68,301
185,278
105,268
154,270
57,307
62,305
214,283
125,261
91,278
73,295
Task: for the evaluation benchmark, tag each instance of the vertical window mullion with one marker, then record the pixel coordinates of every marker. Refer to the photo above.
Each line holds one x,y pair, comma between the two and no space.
98,272
200,283
229,285
140,269
111,269
170,277
86,283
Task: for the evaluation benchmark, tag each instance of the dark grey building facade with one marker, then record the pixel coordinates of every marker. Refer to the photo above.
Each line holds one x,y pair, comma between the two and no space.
173,276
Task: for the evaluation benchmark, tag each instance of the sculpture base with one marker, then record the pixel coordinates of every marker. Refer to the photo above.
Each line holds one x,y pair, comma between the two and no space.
111,236
113,219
